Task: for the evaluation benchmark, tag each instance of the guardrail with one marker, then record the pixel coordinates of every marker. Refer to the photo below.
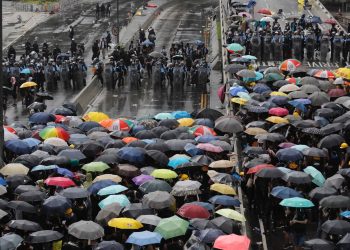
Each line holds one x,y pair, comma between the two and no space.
329,15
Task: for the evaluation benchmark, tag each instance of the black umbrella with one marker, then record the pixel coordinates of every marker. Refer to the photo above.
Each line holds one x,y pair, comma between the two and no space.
32,196
319,193
315,152
160,130
158,145
278,126
91,149
312,131
75,193
44,95
28,160
255,109
254,150
330,141
108,212
226,225
325,112
234,68
332,128
119,134
318,98
344,242
148,123
24,225
169,135
86,126
228,124
319,244
62,111
305,124
155,185
272,137
16,180
186,135
343,118
26,188
109,159
258,124
134,210
3,204
202,159
56,205
297,177
115,144
177,144
38,106
157,157
202,224
211,114
86,230
335,181
44,236
3,214
335,201
136,144
127,170
61,161
169,123
340,227
344,172
109,245
146,134
270,173
188,167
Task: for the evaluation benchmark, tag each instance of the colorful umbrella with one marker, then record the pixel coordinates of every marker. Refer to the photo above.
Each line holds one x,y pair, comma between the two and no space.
324,74
265,11
125,223
113,189
121,199
186,122
191,211
50,132
257,168
28,85
223,189
343,72
234,48
278,111
172,227
290,65
277,120
164,116
95,116
12,169
60,182
164,174
202,130
116,124
96,166
144,238
296,202
317,176
232,241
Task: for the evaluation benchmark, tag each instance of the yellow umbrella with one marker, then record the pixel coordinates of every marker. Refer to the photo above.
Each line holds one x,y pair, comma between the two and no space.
14,169
95,116
255,131
186,122
343,72
164,174
223,189
239,100
277,93
231,214
277,119
125,223
112,177
28,85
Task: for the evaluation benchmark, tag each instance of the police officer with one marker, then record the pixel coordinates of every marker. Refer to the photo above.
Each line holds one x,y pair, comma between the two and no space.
346,49
324,46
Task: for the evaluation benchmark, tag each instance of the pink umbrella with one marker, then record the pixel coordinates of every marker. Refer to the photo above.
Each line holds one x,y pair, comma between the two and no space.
286,144
232,242
139,180
221,93
209,147
278,111
336,93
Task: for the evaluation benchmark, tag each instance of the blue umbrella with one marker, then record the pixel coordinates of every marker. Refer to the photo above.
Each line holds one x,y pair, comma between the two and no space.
10,241
44,168
177,161
279,100
205,138
41,118
32,142
206,205
3,182
147,43
64,172
144,238
235,90
209,235
289,155
26,71
113,189
258,76
261,88
137,128
225,200
303,101
181,114
282,192
192,150
315,20
298,105
86,126
346,214
205,122
132,154
321,120
121,199
18,147
95,187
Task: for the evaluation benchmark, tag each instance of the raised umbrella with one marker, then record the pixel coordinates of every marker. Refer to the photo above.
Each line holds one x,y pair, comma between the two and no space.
282,192
86,230
21,206
172,227
319,193
187,187
335,181
10,241
231,214
141,179
12,169
270,173
57,205
318,98
75,193
149,219
228,125
134,210
319,244
345,241
32,196
339,227
296,202
335,201
232,241
191,211
289,155
265,11
158,200
315,152
18,147
121,199
44,236
125,223
127,170
107,213
144,238
24,225
317,176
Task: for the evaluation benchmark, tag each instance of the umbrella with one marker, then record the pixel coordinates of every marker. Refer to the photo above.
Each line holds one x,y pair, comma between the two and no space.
28,85
134,210
319,244
21,206
187,187
44,168
109,245
314,20
113,189
232,214
144,238
59,181
121,199
224,200
335,181
270,173
321,192
75,193
112,177
232,241
56,205
222,189
235,48
330,141
172,227
318,98
24,225
290,65
345,241
31,196
132,155
158,200
37,106
208,113
164,174
12,169
15,180
335,201
339,227
282,192
10,241
297,177
155,185
86,230
95,116
41,118
316,175
273,137
156,54
149,219
128,170
208,235
228,125
289,155
125,223
315,152
296,202
141,179
72,154
18,147
257,168
288,88
44,236
107,213
191,211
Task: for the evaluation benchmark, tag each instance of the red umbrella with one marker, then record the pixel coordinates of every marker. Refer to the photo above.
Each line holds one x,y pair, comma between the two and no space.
232,242
209,147
192,211
336,92
10,129
221,93
278,111
330,21
292,80
151,5
324,74
60,118
257,168
203,130
265,11
59,181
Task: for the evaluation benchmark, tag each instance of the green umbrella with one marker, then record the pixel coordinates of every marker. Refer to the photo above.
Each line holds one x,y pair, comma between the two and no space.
296,202
97,166
113,189
121,199
316,175
172,227
43,168
235,47
272,77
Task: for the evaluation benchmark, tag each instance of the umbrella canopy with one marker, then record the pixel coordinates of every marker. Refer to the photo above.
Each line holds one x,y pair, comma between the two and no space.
231,214
228,125
224,200
222,189
316,175
154,185
319,244
270,173
339,227
172,227
21,206
121,199
209,235
232,241
75,193
95,167
144,238
321,192
12,169
149,219
158,200
282,192
297,177
335,201
10,241
24,225
191,211
296,202
289,154
125,223
60,182
187,187
86,230
164,174
44,236
57,205
113,189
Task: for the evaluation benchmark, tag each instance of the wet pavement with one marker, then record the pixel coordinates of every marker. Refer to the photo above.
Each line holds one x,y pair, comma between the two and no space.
182,21
55,30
